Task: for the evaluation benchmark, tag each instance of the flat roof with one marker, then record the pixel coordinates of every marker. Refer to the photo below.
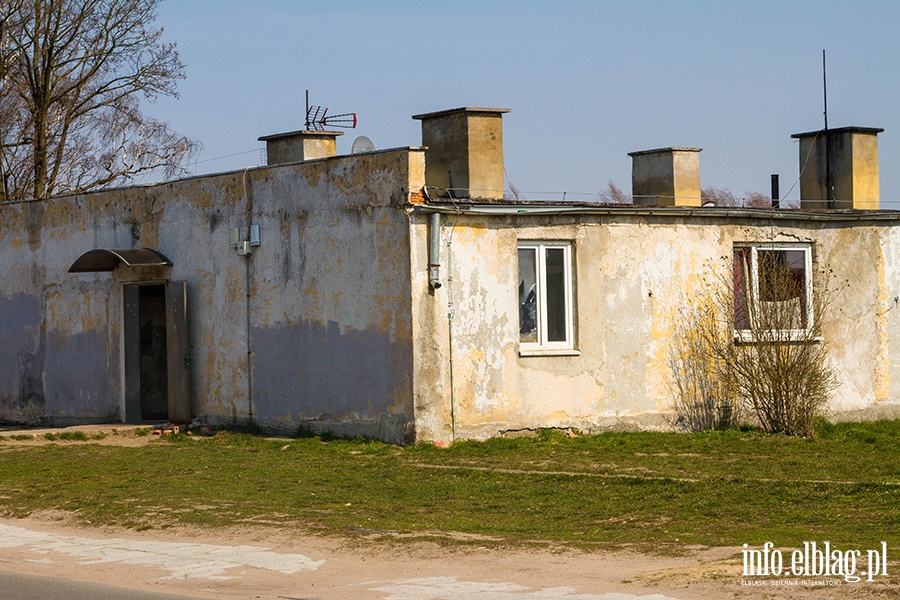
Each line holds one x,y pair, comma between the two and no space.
661,150
520,207
302,132
462,109
851,129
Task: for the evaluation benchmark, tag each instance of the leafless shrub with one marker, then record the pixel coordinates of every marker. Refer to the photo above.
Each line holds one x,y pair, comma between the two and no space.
754,340
780,362
700,378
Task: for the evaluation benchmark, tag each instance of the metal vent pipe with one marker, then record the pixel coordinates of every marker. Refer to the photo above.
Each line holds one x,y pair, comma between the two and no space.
434,250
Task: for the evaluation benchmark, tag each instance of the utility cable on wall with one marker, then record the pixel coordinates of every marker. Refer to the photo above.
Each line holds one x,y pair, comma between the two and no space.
248,197
451,313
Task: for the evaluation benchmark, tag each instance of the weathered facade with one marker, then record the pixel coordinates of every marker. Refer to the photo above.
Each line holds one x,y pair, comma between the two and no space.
632,270
314,324
325,293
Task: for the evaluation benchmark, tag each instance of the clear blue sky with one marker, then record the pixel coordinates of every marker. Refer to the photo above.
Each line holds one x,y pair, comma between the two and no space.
587,81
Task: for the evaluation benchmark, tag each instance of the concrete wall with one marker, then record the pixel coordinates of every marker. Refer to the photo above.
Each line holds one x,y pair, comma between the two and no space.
632,273
329,321
331,325
60,342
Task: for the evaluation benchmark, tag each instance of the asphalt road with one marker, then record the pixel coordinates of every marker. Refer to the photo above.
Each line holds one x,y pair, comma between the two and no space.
16,586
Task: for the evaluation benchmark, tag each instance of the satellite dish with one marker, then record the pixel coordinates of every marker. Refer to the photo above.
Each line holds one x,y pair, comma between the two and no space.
362,144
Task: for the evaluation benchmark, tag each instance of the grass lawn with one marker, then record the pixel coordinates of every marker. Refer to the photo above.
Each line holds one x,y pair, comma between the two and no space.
660,491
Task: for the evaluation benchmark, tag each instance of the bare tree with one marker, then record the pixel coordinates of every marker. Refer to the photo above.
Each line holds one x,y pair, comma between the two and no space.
725,197
613,194
719,196
757,200
76,73
513,193
8,25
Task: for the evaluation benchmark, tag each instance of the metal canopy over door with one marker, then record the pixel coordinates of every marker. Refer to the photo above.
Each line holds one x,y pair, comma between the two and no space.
108,259
156,355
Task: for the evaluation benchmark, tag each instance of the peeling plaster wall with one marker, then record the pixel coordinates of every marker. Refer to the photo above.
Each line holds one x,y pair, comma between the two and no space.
631,275
329,320
330,295
343,332
887,303
58,349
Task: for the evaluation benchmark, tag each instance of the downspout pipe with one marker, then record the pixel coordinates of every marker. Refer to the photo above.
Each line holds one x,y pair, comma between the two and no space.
434,250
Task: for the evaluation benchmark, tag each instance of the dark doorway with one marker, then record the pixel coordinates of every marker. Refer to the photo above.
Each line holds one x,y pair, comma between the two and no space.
156,361
152,353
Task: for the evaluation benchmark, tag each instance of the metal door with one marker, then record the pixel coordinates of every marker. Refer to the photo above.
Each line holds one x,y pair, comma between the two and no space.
132,355
178,353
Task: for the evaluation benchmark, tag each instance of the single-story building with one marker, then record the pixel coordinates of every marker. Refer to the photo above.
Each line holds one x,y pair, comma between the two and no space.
397,294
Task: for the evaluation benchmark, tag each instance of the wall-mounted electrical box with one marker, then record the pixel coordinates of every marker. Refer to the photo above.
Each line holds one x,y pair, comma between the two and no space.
244,248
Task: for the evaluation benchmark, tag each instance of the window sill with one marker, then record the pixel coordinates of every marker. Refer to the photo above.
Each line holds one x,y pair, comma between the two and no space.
773,337
540,352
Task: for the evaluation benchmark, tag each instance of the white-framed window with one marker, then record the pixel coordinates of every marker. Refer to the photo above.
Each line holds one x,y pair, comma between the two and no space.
772,291
545,296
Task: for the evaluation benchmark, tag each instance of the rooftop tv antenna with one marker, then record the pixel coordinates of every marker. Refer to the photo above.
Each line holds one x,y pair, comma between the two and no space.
317,118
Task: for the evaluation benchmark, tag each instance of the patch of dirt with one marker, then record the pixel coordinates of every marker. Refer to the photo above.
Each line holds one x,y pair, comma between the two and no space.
368,566
106,435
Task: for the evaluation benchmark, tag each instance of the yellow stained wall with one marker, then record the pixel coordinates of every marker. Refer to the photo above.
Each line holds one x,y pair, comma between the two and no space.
866,183
632,274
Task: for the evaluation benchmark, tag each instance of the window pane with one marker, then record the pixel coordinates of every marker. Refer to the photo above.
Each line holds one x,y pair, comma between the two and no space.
782,288
556,294
780,274
741,268
528,295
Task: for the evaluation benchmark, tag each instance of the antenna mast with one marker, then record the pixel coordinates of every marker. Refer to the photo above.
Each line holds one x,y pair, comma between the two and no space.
829,182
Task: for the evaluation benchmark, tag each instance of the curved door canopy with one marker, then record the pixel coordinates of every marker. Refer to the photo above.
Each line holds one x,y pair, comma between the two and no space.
103,259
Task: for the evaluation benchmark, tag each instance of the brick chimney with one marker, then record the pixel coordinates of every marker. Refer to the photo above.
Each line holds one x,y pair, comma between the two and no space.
296,146
851,154
666,177
464,156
